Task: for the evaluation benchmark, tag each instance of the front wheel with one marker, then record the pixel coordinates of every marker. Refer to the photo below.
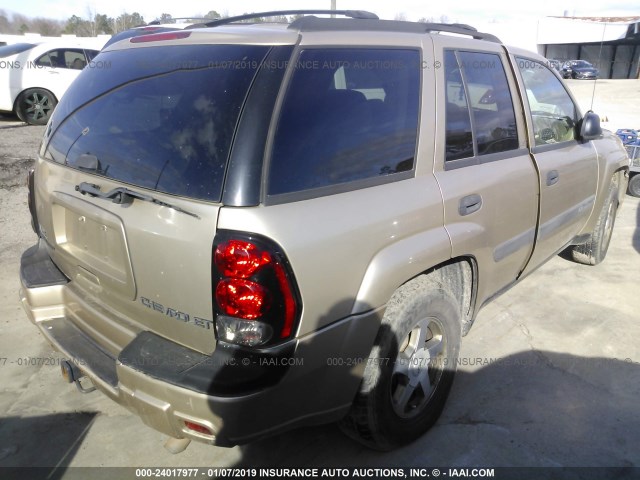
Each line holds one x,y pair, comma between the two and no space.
35,106
409,375
595,249
634,185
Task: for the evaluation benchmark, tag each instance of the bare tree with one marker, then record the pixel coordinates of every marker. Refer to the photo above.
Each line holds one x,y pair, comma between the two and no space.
401,17
103,24
126,21
5,25
21,23
166,18
213,15
91,21
47,27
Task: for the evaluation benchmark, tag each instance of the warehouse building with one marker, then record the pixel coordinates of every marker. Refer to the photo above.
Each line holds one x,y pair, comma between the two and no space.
611,44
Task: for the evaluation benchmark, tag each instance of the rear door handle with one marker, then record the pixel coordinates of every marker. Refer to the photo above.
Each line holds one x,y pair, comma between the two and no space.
470,204
552,177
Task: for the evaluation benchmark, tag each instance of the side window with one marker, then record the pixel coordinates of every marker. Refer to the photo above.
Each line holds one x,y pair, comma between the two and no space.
480,118
459,139
552,110
348,114
75,59
91,54
63,58
44,60
494,120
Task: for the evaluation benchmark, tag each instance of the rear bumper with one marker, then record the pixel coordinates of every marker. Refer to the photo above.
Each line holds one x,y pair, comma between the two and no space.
237,395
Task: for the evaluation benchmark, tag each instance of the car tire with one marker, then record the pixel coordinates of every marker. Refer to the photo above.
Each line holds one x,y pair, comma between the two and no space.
35,106
595,249
411,368
633,188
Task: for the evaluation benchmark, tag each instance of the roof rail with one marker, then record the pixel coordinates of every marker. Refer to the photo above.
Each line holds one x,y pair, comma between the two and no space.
461,29
358,14
311,23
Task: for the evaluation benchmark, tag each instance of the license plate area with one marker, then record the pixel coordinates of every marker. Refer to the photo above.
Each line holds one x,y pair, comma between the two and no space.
90,243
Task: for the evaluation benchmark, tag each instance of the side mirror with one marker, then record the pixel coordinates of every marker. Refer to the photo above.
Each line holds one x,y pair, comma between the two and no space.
590,128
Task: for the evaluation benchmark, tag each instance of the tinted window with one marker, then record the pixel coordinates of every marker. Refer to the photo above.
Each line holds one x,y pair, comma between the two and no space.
489,97
63,58
165,120
91,54
459,139
552,110
348,114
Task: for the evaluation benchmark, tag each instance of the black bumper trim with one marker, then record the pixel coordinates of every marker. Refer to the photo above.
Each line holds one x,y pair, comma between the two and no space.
85,354
229,371
38,270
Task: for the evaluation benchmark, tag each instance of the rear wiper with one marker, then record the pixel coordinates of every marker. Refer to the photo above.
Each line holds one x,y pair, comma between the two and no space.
124,196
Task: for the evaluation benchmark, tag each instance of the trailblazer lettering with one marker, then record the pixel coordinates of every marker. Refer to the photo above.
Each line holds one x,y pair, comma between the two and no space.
176,314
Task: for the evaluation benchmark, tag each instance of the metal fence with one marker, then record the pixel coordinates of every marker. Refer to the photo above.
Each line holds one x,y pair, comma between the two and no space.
634,154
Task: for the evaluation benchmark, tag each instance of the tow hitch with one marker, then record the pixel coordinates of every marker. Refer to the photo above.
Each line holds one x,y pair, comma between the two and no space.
73,374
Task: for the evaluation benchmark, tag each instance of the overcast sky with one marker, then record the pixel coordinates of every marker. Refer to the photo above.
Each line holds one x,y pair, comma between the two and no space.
456,11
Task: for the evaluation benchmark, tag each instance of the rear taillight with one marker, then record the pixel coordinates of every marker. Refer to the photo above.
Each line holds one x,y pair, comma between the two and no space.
254,291
160,37
242,298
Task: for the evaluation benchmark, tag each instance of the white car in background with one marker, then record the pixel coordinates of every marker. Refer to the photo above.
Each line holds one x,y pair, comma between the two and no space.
35,75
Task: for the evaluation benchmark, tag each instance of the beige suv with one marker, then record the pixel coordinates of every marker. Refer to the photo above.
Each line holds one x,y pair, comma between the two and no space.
247,228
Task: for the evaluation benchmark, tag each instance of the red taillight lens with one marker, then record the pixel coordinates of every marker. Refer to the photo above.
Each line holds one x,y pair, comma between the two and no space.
158,37
256,301
289,302
196,427
237,258
242,298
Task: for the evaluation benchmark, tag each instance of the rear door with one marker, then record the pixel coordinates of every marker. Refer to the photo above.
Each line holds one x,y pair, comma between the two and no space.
130,185
56,70
568,167
487,178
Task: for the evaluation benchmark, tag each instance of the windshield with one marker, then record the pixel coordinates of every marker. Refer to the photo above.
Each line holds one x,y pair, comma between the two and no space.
582,64
161,118
14,49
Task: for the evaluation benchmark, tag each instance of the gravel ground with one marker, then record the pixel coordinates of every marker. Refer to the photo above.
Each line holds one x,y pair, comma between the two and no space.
18,149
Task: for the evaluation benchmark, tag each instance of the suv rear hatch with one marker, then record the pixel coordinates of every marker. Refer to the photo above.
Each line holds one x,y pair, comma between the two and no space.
129,184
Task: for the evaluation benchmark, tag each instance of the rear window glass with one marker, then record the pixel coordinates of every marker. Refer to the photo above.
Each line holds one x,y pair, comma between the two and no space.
161,118
348,115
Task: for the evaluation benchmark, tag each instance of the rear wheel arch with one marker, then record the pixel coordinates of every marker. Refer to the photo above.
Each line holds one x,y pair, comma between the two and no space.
437,304
410,369
459,276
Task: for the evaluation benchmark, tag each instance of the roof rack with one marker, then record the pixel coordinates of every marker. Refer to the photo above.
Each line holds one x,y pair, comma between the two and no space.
311,24
355,14
461,29
356,20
